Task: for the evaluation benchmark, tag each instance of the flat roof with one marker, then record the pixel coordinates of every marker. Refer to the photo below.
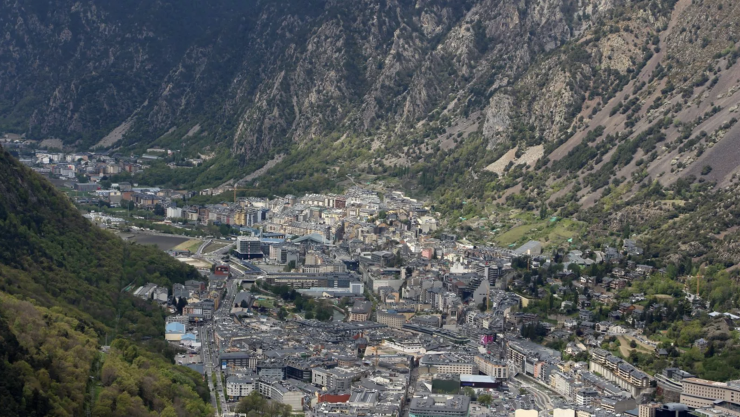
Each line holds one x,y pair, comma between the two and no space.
705,382
477,378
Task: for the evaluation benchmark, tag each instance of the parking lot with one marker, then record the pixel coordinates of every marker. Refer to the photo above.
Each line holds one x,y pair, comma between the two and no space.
188,358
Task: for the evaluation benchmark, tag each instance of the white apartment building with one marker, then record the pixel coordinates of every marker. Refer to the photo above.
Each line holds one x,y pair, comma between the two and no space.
239,386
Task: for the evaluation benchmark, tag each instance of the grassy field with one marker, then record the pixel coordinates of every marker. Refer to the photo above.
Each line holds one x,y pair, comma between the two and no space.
214,246
192,245
663,297
517,234
266,303
545,231
162,242
625,349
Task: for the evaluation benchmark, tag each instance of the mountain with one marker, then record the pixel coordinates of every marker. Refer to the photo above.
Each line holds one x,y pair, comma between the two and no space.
565,104
433,92
259,74
61,282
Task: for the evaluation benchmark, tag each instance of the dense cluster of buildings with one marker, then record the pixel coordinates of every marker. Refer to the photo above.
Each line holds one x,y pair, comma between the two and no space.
424,315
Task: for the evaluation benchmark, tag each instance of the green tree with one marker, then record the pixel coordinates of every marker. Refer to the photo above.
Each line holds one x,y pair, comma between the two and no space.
485,399
253,401
255,405
324,314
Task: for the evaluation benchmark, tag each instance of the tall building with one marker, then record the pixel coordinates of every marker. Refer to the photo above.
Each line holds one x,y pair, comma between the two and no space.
248,247
618,371
284,253
491,366
488,271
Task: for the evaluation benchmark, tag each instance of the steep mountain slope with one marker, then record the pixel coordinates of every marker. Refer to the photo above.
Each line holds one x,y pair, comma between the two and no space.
583,96
256,75
60,296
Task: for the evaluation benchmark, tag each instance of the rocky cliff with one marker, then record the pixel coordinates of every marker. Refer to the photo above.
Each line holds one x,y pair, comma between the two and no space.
431,92
258,74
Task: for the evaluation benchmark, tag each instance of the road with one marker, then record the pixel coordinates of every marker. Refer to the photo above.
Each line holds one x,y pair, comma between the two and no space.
210,350
203,246
541,398
208,363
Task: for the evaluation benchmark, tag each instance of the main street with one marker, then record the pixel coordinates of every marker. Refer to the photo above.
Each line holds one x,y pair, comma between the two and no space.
208,364
210,351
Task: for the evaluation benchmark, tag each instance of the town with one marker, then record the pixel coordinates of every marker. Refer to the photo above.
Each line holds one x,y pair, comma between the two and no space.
361,304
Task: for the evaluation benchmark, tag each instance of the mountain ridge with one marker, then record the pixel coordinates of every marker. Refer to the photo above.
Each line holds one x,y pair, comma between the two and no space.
404,91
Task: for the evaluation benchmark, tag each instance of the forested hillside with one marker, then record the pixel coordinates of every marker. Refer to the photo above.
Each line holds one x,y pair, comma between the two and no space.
60,298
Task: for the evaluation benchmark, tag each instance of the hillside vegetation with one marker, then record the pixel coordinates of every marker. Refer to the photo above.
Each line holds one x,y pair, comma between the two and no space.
617,116
425,93
61,282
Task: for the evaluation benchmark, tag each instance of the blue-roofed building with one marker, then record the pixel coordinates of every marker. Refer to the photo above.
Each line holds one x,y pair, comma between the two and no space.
189,339
174,331
313,237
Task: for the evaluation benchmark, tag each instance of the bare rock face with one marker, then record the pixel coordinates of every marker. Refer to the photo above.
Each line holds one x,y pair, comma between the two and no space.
258,75
411,77
497,119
